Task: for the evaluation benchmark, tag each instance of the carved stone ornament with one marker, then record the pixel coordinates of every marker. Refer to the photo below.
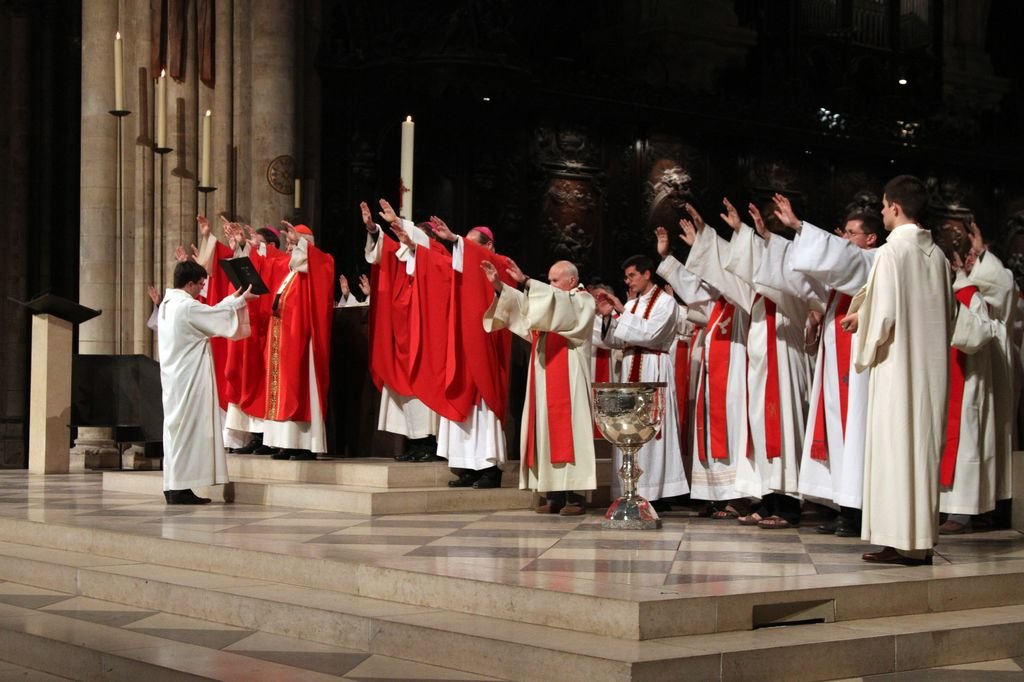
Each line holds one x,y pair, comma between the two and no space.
281,174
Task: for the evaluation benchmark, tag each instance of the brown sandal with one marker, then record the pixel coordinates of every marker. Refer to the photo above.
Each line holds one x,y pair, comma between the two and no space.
774,523
750,519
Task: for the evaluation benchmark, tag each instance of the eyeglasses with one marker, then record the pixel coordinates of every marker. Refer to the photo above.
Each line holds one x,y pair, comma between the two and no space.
848,234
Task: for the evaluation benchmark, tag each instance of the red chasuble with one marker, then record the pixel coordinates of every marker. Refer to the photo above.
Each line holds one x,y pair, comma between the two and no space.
957,379
429,332
300,317
478,359
390,312
246,369
219,287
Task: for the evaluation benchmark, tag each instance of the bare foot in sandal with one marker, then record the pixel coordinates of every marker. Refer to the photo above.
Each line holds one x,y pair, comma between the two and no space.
774,523
750,519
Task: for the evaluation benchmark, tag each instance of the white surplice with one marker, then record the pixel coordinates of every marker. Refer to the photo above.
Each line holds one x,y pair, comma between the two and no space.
646,338
835,267
545,309
996,285
978,337
193,447
903,338
404,415
478,441
757,475
714,479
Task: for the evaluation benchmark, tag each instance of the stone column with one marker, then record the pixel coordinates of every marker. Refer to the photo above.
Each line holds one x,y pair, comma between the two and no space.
271,105
98,225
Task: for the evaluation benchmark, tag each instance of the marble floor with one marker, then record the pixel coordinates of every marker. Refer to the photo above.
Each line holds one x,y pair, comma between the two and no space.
518,546
690,555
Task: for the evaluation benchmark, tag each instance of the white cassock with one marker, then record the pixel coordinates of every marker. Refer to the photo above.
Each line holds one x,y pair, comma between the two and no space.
646,331
193,448
713,477
544,309
477,442
405,415
903,336
997,287
978,338
827,270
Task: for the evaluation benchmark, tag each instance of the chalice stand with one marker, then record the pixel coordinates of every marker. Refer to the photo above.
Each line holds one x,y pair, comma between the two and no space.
629,415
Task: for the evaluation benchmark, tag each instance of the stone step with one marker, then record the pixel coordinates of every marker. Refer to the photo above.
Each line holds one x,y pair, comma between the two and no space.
619,611
328,497
522,651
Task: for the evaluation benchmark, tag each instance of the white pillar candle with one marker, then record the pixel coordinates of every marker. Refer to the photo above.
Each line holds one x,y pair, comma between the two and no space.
205,176
161,110
298,193
118,73
405,201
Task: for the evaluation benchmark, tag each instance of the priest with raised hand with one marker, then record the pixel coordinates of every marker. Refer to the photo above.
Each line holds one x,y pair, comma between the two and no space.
645,329
193,449
556,443
902,317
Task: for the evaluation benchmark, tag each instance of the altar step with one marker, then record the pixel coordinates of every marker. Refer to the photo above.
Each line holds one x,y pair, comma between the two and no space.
484,645
373,486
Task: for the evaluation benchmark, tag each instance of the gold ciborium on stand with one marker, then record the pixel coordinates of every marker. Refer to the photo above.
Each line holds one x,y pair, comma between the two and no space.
629,415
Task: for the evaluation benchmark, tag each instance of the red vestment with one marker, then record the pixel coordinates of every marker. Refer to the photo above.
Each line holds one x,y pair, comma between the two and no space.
391,298
219,287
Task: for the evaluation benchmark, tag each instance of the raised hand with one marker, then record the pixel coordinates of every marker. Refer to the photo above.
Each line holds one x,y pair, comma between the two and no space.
661,234
387,213
179,254
491,273
441,230
364,285
731,215
204,226
784,212
291,228
758,219
364,209
402,235
689,235
195,252
604,304
154,295
614,301
695,217
977,241
514,272
343,283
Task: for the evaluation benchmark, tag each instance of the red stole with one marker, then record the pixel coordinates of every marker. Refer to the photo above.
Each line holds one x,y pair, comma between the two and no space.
682,378
957,380
844,340
715,370
559,403
772,403
602,374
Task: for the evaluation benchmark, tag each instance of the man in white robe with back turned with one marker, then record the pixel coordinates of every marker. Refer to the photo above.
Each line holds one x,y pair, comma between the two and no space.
193,446
903,321
556,437
645,329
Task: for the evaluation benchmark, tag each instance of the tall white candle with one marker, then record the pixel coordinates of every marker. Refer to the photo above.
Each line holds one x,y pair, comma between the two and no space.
118,73
205,181
161,110
298,193
405,202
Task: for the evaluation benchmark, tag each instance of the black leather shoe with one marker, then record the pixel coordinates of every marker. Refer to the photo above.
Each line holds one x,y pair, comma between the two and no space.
184,497
265,450
827,528
847,529
466,479
406,457
429,457
485,482
280,454
890,555
301,456
251,446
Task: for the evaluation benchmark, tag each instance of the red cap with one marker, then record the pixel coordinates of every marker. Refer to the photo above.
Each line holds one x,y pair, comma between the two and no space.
485,231
302,229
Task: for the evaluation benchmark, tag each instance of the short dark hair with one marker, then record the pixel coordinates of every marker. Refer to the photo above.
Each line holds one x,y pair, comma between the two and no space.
269,236
910,193
870,222
188,271
641,262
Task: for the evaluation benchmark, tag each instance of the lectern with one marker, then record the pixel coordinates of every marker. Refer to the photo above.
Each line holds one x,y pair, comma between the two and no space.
53,320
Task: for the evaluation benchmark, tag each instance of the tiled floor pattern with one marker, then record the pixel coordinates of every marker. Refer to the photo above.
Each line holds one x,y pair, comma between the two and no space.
169,629
687,551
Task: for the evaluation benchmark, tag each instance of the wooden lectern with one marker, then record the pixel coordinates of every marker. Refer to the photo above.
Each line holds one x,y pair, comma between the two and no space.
53,319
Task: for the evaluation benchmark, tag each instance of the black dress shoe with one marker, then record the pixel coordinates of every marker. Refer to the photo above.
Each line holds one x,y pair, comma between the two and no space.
184,497
890,555
406,457
661,506
429,457
265,450
847,529
489,478
301,456
467,479
250,447
280,453
827,527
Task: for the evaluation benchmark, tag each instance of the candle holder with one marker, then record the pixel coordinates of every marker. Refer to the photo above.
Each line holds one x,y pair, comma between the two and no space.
162,150
206,190
120,113
206,197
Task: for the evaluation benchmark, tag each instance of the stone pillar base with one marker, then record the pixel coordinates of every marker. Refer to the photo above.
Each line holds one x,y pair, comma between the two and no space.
1017,469
134,459
92,455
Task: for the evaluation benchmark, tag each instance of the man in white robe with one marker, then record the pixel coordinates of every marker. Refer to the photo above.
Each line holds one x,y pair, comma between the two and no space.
903,319
827,270
556,438
193,446
719,414
778,368
645,330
